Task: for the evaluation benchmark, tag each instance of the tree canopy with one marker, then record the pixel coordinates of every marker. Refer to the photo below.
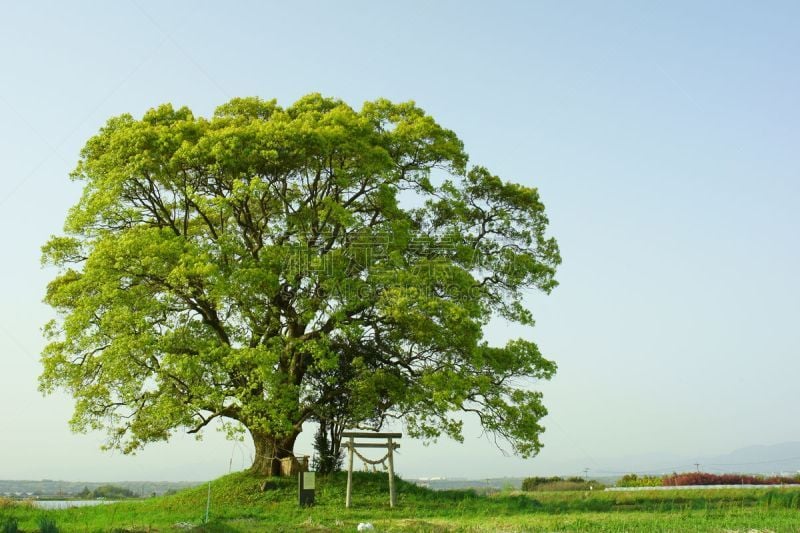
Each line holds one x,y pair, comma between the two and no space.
270,265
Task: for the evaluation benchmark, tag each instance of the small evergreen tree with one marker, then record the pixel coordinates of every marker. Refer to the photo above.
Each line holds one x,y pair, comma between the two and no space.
328,457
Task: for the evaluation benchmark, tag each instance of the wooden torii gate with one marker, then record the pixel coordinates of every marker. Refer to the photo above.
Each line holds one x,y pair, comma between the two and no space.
351,445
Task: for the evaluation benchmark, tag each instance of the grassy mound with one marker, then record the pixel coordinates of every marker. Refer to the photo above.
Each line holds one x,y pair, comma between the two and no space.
246,502
243,502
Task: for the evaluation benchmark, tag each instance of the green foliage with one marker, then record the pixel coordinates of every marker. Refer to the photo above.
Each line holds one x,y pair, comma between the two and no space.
531,483
237,504
257,265
328,457
632,480
47,524
9,525
557,483
108,492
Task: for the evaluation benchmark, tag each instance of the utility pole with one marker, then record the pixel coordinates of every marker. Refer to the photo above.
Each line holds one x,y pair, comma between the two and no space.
697,465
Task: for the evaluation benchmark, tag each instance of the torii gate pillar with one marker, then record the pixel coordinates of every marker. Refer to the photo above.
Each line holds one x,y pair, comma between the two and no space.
352,445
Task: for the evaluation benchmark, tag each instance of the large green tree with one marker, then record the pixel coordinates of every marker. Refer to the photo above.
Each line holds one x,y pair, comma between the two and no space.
269,266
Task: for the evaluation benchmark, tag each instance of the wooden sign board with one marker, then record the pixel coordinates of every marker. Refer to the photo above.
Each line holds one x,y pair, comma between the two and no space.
306,484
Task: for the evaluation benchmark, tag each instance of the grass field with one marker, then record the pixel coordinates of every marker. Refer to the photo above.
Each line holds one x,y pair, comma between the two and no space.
237,505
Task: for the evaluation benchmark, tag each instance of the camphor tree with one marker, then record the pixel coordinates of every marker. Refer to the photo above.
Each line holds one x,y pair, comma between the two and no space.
265,264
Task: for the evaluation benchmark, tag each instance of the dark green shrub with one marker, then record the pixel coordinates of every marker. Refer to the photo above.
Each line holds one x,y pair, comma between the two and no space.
47,525
328,457
556,483
632,480
111,492
530,484
9,525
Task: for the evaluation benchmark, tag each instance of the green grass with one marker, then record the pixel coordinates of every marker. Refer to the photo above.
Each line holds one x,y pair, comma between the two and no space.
237,505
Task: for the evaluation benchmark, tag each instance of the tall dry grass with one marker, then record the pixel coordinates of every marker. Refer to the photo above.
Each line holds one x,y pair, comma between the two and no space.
5,503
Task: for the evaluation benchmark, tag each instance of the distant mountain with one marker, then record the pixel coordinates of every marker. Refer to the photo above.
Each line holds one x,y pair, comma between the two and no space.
775,458
762,459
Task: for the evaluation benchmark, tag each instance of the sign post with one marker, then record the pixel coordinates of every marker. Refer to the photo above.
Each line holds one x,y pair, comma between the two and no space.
306,484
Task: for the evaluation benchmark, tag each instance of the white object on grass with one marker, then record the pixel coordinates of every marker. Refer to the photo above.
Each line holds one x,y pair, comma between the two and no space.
365,526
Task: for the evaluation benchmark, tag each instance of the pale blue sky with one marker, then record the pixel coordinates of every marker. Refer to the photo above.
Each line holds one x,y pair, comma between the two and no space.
663,137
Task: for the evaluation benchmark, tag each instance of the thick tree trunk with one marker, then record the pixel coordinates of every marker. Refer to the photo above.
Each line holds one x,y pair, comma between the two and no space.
269,450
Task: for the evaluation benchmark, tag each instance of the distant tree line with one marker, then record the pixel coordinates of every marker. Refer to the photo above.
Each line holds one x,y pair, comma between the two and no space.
532,484
107,492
